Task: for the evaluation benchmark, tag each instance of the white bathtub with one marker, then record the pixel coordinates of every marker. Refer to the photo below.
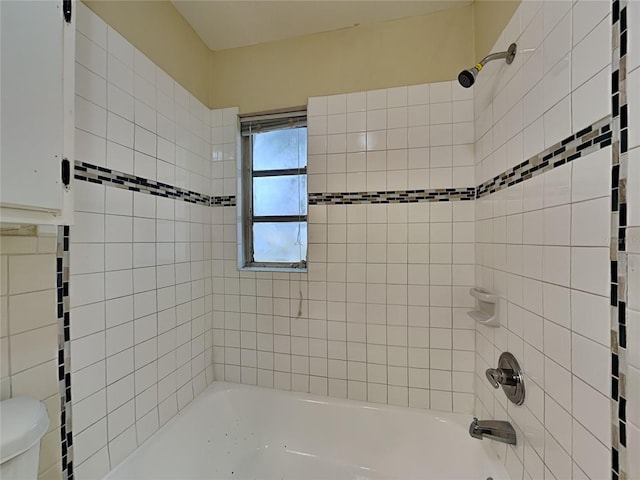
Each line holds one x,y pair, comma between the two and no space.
239,432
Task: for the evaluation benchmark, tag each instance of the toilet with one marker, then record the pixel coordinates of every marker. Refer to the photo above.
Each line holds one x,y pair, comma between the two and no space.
23,422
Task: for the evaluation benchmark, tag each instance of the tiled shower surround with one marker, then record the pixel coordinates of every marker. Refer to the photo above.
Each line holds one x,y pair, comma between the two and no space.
380,314
544,244
416,194
141,342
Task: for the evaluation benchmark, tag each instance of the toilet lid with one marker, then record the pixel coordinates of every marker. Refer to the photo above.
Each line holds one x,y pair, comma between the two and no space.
23,422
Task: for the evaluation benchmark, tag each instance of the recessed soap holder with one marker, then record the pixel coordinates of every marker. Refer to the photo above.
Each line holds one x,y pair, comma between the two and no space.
486,311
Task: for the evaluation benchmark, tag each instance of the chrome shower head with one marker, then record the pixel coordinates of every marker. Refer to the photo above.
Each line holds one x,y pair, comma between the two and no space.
468,77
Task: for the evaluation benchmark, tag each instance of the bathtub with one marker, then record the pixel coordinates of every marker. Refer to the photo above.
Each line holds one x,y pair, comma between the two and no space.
239,432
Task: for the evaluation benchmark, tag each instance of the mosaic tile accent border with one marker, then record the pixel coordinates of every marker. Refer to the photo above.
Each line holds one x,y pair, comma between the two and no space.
582,143
394,196
594,137
618,255
226,201
105,176
587,140
64,357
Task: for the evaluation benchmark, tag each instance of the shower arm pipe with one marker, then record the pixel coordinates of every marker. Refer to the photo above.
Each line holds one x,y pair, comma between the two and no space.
492,56
468,77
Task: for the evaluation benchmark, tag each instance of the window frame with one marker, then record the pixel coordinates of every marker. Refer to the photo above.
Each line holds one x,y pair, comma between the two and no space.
262,123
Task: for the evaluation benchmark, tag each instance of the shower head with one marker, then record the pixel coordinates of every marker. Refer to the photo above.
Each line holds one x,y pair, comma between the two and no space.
468,77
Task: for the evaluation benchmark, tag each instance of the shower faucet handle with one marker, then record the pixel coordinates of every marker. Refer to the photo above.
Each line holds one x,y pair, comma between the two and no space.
509,376
501,376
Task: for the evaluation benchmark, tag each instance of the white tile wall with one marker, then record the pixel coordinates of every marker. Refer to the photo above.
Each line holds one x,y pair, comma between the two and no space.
544,245
556,324
29,332
415,137
558,83
381,313
132,117
224,147
141,338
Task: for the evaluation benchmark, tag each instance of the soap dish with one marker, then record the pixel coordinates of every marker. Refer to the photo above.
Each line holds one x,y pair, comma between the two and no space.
486,312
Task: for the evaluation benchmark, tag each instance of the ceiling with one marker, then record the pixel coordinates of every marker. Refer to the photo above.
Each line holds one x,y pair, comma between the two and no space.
237,23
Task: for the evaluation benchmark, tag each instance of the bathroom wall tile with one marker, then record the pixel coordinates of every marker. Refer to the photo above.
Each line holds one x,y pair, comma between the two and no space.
90,117
558,42
94,467
589,102
592,456
592,53
91,86
30,311
591,362
590,409
122,446
119,47
88,380
562,297
588,174
29,273
141,100
571,257
90,441
92,26
587,267
557,122
120,102
89,410
88,350
39,382
590,315
589,221
586,16
32,348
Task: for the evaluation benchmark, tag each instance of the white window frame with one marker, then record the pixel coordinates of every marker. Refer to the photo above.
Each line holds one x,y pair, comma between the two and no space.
249,126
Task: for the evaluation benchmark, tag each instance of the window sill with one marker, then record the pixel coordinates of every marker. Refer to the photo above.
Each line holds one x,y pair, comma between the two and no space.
272,269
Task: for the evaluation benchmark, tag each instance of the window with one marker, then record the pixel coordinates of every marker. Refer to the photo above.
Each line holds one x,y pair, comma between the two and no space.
274,190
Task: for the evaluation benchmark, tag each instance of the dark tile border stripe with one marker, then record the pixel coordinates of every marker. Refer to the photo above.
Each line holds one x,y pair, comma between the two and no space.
105,176
589,139
618,254
225,201
64,356
393,196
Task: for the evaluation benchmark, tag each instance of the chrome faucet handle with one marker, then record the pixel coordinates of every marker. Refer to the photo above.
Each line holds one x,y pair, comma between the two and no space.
509,375
501,376
492,375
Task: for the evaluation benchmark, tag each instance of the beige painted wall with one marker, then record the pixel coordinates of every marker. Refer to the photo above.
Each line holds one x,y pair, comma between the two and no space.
427,48
490,18
158,30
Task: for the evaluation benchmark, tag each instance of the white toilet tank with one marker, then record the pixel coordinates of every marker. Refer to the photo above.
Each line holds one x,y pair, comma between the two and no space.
23,422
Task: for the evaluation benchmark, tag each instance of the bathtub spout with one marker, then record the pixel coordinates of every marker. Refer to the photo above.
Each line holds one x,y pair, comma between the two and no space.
494,429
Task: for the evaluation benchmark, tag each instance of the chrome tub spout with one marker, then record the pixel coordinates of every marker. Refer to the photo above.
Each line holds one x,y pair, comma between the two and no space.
498,430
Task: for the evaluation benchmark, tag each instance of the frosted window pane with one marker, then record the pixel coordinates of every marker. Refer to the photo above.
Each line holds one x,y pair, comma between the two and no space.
280,242
284,195
280,149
